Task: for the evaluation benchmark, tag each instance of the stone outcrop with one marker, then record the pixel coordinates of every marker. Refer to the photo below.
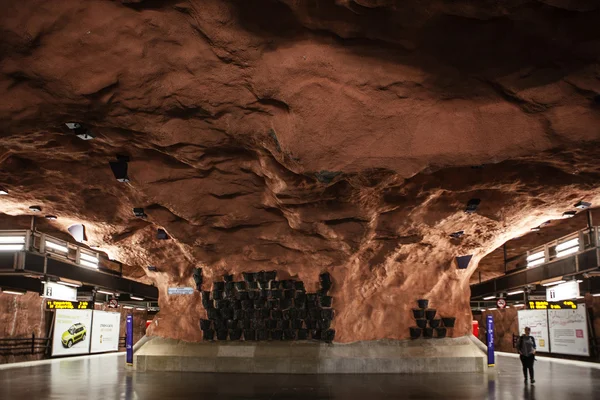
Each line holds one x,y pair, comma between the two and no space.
303,137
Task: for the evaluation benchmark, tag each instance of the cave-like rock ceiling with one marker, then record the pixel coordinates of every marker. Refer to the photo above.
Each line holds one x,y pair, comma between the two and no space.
302,136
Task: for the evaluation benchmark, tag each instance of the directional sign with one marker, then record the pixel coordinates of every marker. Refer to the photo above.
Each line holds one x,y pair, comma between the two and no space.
180,290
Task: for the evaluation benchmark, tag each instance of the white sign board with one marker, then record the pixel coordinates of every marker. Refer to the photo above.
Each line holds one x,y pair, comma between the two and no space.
105,331
537,320
568,331
71,335
564,291
56,291
180,290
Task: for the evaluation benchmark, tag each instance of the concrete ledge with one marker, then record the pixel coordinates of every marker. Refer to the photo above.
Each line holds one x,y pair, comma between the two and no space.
373,357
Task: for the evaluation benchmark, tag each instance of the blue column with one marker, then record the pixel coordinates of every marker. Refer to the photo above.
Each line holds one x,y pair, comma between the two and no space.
129,339
490,340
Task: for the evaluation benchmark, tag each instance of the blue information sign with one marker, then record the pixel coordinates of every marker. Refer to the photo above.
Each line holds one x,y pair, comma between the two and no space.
129,339
490,340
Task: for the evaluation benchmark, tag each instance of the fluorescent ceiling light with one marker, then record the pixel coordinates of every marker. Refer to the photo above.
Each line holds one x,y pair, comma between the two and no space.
579,281
13,292
566,252
88,264
568,244
105,292
140,308
69,284
569,214
553,283
536,263
535,256
57,247
519,305
128,307
3,192
489,297
596,294
492,309
89,258
136,298
11,247
483,309
12,239
515,292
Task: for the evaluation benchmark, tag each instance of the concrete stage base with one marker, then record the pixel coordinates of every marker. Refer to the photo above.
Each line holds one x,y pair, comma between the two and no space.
371,357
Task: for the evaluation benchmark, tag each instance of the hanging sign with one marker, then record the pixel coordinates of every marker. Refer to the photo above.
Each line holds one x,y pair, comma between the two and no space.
69,305
180,290
564,291
113,303
553,305
490,340
53,290
501,303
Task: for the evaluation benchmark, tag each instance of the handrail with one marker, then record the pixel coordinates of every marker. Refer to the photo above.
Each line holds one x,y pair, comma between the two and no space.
21,346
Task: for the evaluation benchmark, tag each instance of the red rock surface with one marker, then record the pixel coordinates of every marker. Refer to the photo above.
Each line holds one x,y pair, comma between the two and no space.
304,137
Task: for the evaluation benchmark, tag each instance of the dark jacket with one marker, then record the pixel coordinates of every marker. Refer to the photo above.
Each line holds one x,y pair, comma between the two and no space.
520,344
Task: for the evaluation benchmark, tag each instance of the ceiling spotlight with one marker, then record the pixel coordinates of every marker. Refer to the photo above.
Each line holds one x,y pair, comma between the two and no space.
161,234
73,125
3,192
51,217
35,208
457,234
119,168
472,206
78,232
152,268
139,212
569,214
582,205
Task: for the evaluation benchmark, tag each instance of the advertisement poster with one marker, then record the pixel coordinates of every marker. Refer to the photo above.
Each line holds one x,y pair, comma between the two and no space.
71,332
105,331
537,320
568,331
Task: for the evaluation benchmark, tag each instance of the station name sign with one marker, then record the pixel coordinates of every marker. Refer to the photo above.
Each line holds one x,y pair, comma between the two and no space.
553,305
69,305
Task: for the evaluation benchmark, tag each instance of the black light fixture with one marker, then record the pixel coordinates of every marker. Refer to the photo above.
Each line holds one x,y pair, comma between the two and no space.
569,214
119,168
152,268
463,261
582,205
543,224
536,229
139,212
457,234
597,99
161,234
51,217
472,206
35,208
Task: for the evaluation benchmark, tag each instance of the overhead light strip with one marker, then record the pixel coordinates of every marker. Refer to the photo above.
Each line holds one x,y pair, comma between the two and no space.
568,244
11,247
57,247
12,239
489,297
553,283
515,292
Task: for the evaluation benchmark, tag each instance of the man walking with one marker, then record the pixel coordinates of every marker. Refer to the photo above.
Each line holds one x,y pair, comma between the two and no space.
526,348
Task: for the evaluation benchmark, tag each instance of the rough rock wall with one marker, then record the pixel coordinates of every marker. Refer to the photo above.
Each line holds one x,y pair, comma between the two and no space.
304,137
20,316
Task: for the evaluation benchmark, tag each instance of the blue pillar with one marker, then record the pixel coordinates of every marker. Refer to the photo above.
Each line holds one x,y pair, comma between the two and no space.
490,340
129,339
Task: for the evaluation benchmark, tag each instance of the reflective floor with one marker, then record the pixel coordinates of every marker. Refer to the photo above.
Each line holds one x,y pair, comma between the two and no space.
106,377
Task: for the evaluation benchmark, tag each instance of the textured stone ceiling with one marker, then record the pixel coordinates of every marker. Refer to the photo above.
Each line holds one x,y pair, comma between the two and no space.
303,136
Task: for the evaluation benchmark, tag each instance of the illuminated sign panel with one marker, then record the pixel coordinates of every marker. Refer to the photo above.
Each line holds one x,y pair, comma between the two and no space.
69,305
556,305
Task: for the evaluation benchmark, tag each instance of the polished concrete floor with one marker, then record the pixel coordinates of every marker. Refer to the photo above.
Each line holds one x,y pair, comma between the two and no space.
106,377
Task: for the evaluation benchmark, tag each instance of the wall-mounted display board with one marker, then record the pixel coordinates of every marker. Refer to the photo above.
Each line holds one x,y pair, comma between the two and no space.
537,320
569,332
72,332
105,331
